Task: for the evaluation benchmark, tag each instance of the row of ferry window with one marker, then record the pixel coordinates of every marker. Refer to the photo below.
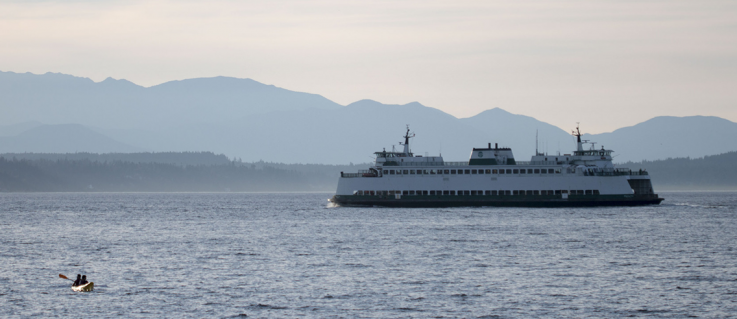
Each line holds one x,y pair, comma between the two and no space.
472,171
481,192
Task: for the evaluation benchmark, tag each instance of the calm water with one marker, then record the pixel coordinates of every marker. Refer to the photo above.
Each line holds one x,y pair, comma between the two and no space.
289,255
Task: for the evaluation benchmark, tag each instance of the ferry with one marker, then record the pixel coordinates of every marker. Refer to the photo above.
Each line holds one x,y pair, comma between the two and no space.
492,177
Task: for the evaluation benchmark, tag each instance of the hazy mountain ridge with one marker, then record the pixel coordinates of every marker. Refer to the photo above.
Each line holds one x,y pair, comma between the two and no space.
670,137
254,121
63,138
54,98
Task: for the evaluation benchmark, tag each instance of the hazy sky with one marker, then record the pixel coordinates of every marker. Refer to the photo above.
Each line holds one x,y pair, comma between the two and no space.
606,64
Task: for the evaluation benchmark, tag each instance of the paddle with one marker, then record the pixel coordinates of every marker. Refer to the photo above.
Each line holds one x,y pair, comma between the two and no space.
64,277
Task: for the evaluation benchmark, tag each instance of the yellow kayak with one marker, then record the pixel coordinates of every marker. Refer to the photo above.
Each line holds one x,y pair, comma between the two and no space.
84,288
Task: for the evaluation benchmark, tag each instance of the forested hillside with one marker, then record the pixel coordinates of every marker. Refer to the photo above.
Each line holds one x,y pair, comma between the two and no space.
159,172
207,172
717,172
178,158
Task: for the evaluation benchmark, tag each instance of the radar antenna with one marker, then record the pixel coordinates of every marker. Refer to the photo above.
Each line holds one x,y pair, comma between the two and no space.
577,133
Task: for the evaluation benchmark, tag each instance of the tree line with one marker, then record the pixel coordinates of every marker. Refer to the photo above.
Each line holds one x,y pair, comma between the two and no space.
208,172
95,173
715,172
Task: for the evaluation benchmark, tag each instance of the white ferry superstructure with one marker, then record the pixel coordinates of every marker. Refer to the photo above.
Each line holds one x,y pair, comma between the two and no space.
492,177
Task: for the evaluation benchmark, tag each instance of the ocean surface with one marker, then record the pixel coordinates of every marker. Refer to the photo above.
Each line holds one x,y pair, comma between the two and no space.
292,256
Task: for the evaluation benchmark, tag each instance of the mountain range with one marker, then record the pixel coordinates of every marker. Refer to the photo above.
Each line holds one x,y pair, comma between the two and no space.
245,119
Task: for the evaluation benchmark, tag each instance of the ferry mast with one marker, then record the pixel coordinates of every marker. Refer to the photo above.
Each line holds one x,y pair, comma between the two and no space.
407,136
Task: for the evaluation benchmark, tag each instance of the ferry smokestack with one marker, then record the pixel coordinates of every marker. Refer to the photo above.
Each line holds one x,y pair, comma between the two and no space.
496,145
489,145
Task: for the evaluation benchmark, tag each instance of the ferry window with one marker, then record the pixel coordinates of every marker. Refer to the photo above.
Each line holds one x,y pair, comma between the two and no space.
529,171
558,192
432,192
551,192
565,191
488,193
550,171
466,192
432,172
537,171
488,171
405,192
391,172
544,171
522,171
446,193
405,171
468,171
543,192
557,170
358,192
596,192
473,192
391,192
411,172
515,193
589,192
423,192
452,171
411,192
516,171
480,192
452,192
507,192
535,192
501,192
446,172
509,171
494,193
425,172
501,171
473,171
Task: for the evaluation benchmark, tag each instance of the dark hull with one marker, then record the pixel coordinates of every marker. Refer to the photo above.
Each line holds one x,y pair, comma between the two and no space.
497,201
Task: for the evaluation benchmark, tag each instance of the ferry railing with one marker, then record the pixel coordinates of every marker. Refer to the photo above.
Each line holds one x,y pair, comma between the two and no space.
361,173
614,172
539,163
465,163
456,163
426,164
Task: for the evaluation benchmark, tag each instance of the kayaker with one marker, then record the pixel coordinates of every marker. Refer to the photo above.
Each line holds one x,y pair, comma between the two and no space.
84,280
78,281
